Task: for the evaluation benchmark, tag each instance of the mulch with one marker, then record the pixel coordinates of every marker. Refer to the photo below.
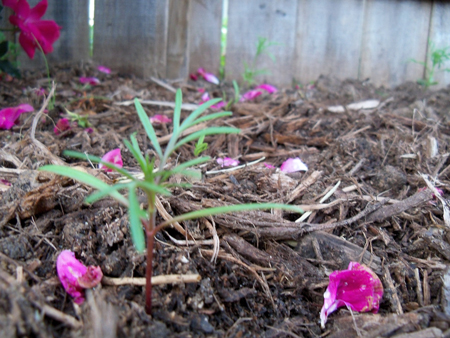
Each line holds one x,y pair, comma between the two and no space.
369,196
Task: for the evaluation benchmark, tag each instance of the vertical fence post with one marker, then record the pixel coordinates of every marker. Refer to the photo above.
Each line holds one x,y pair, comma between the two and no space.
131,36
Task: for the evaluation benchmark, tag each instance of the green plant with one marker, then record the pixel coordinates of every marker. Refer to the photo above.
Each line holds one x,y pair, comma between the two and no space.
237,95
438,57
143,225
200,146
8,57
250,71
81,120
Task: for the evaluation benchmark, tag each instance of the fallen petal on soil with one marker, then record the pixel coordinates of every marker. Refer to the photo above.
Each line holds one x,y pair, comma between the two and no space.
292,165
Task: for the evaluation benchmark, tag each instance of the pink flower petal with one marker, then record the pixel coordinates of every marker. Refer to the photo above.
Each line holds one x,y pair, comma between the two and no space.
358,287
75,277
250,95
268,88
115,157
5,182
201,90
208,76
61,125
292,165
10,116
227,162
269,166
90,80
34,31
206,98
193,77
104,69
158,119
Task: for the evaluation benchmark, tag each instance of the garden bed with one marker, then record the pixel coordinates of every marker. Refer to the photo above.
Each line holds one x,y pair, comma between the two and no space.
268,275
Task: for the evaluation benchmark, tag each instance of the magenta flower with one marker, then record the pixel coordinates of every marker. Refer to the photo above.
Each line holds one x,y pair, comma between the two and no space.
90,80
115,157
104,69
227,162
292,165
34,31
75,276
269,166
250,95
159,119
208,76
10,116
206,98
61,125
193,77
268,88
358,288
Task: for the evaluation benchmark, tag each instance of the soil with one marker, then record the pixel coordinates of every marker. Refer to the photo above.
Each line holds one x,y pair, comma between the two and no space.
270,274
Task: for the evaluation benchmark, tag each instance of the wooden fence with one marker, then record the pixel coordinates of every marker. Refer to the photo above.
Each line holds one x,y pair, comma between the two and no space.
171,38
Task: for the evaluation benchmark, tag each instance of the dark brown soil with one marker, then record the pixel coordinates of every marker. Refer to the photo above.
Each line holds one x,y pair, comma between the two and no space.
270,274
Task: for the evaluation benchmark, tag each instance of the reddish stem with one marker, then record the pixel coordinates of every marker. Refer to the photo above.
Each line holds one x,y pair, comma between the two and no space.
149,272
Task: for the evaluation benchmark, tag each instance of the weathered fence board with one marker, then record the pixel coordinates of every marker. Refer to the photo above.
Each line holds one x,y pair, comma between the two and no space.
250,19
440,37
131,36
394,32
177,40
73,44
328,39
205,24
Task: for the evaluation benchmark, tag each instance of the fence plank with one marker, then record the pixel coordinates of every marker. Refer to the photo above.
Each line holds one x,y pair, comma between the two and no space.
131,36
73,43
205,27
177,40
329,36
274,20
394,32
440,37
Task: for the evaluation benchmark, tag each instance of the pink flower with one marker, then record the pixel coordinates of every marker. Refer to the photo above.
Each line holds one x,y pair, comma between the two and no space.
193,77
292,165
75,277
10,116
158,119
208,76
268,88
115,157
358,288
34,31
250,95
90,80
227,162
206,98
269,166
61,125
104,69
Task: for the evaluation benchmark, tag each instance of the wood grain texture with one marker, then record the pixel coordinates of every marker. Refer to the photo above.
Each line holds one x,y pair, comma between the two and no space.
205,24
177,40
440,37
328,39
73,43
274,20
394,32
131,36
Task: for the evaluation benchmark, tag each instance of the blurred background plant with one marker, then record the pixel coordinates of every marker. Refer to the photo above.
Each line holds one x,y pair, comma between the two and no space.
250,70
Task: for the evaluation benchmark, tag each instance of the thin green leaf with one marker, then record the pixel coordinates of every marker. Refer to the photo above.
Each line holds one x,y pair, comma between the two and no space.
96,159
210,117
84,178
196,113
230,208
106,192
237,92
136,153
207,131
134,212
148,127
191,163
177,111
153,187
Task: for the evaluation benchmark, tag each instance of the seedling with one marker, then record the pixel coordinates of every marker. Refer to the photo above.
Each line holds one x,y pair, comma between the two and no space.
250,71
143,225
81,120
438,57
200,146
